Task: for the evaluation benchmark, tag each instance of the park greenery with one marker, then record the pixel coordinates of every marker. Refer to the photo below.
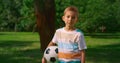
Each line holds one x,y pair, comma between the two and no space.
19,45
94,15
24,47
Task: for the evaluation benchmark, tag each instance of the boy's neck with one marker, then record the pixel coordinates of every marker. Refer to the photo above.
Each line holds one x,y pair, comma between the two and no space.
69,28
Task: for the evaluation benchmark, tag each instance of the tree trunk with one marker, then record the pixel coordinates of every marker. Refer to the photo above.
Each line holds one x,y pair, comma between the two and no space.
45,13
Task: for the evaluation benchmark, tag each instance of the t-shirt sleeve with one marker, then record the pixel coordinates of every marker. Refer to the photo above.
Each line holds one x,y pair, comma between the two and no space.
81,43
54,39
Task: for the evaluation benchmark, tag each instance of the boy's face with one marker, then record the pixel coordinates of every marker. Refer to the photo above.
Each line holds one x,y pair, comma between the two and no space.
70,18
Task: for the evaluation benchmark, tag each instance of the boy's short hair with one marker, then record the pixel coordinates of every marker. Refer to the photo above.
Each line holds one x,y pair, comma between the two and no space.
72,8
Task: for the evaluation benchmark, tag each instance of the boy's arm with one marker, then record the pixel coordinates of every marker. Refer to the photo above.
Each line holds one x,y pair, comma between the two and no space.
43,60
82,56
51,44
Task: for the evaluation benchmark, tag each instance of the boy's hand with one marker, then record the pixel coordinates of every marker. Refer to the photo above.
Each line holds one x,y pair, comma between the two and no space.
44,60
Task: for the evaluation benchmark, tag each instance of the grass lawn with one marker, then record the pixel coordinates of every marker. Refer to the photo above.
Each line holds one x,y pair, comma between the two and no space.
24,47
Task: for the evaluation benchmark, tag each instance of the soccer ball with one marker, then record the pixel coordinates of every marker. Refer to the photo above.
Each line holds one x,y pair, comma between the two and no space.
51,54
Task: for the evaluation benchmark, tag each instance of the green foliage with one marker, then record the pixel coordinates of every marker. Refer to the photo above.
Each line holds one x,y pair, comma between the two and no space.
27,21
18,15
101,13
93,14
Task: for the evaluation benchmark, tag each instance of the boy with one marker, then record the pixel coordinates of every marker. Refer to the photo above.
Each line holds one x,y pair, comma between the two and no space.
70,41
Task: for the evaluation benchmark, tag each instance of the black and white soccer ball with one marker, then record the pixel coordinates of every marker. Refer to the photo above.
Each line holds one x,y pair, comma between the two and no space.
51,54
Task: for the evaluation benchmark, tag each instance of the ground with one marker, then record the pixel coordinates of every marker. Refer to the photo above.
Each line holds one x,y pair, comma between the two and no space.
24,47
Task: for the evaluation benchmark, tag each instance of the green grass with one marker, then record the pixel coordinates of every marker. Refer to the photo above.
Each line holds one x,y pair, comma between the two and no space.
24,47
19,47
104,48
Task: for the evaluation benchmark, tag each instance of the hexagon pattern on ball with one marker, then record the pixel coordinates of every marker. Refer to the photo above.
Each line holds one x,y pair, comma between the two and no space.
51,54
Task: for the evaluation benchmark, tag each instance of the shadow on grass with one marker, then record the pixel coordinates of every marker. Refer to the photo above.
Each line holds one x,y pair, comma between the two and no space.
104,54
28,56
104,35
14,43
12,52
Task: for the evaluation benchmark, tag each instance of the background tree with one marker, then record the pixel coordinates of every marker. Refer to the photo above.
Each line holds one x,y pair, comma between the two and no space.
18,15
94,14
10,13
27,21
45,13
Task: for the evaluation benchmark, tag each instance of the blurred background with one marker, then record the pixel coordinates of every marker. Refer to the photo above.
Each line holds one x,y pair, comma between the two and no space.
95,15
98,19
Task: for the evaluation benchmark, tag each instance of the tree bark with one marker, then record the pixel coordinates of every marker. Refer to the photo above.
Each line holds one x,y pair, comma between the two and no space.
45,14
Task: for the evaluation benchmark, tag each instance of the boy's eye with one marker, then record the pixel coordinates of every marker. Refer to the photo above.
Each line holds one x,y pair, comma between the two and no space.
73,17
68,16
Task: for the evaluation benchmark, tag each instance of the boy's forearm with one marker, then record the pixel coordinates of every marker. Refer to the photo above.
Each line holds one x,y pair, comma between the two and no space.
44,60
83,56
51,44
